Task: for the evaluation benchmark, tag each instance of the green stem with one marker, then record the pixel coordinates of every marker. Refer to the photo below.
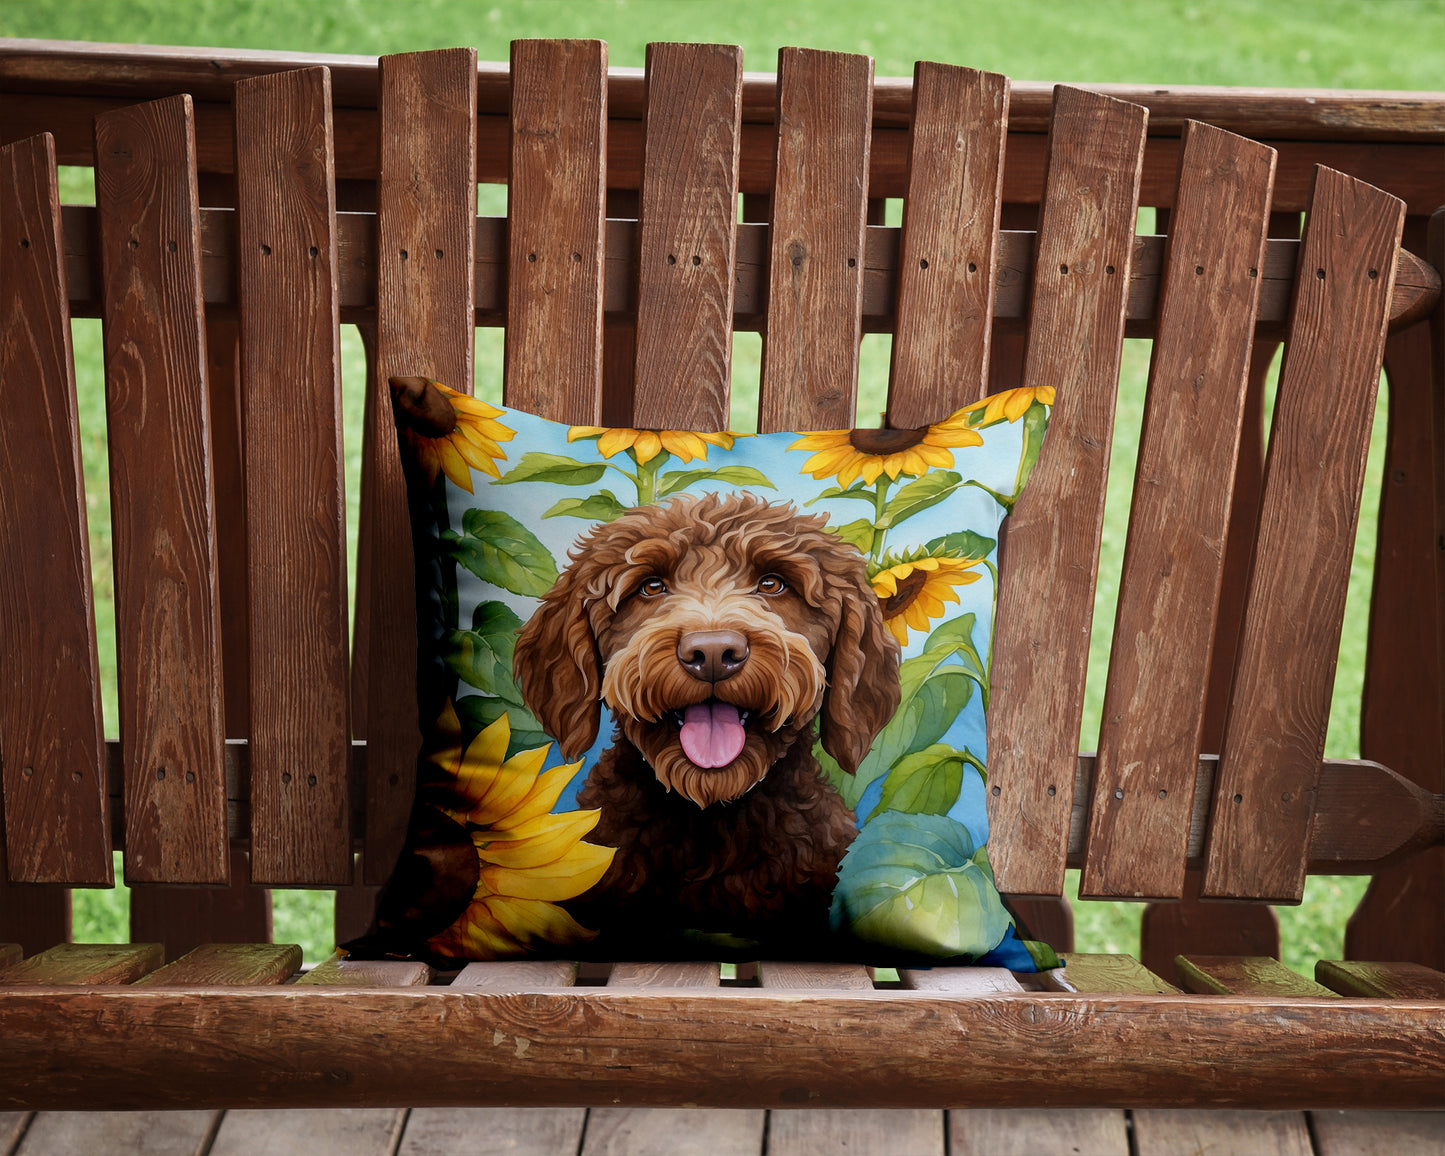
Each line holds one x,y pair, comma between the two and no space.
972,760
880,502
1006,502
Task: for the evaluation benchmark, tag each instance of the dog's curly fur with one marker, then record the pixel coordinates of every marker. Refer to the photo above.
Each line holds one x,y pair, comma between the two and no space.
751,848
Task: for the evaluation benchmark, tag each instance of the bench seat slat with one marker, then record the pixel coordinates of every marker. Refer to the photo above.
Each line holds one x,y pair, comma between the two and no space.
790,975
84,964
1275,730
1383,980
56,818
228,963
1075,341
300,744
168,644
339,971
1093,972
1153,712
1243,975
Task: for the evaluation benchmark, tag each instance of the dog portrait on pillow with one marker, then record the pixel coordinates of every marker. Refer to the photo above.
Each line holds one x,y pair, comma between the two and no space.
692,694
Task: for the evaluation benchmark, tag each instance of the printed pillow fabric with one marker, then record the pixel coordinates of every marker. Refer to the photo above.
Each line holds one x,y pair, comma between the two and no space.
704,694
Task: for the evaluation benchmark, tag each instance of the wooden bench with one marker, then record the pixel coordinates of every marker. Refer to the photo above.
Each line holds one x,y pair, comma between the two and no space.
247,204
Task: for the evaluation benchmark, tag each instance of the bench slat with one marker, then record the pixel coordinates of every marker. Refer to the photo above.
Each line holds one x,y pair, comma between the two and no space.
168,644
1275,732
1094,972
228,963
1383,980
816,260
959,980
787,974
669,975
425,255
517,975
300,746
687,236
56,820
556,204
947,265
1242,975
1154,701
81,964
183,918
339,971
1075,341
1029,1131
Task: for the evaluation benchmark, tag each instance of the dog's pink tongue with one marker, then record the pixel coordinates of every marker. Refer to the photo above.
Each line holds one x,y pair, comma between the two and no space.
712,734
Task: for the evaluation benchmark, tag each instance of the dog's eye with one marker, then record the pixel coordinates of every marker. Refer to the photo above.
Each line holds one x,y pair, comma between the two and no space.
652,587
771,584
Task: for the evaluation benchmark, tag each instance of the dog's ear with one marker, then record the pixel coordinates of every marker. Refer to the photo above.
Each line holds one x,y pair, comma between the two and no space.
863,689
559,670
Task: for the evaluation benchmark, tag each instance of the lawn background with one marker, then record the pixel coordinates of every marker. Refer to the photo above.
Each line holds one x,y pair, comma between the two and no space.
1376,44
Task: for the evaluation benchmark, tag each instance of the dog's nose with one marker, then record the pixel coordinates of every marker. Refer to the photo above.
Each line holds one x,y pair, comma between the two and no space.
712,655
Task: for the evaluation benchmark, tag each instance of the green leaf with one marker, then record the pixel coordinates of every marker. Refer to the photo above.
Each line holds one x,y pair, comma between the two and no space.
960,544
856,490
482,656
538,467
730,475
477,713
859,533
924,782
602,506
499,549
1036,423
953,632
929,707
919,495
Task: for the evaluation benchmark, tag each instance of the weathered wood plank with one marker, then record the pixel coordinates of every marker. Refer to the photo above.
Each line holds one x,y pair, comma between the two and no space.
132,1133
168,632
317,1132
1353,1133
426,222
687,235
57,825
790,975
341,972
1242,975
183,918
1029,1131
85,963
1384,980
1275,732
1041,641
1153,715
1096,972
516,1131
816,260
1169,1132
517,975
228,963
555,205
295,501
674,1132
664,975
959,980
900,1131
947,265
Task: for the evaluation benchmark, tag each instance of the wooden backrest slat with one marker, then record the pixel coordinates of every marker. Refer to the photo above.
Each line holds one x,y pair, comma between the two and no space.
949,251
286,230
426,243
168,641
1154,700
687,237
1275,731
555,214
1075,339
57,827
816,245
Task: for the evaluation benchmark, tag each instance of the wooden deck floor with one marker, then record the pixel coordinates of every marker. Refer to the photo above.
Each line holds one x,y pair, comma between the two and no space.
703,1132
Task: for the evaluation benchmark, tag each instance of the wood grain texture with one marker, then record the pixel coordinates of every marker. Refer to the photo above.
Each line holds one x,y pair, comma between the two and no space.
1275,732
1242,975
84,963
670,975
1347,1133
687,237
816,258
516,1131
1153,714
898,1049
897,1131
228,963
168,634
959,980
1383,980
555,206
320,1132
183,918
1097,972
132,1133
674,1132
790,975
34,915
1192,925
300,743
56,818
341,972
517,975
949,247
1169,1132
1041,640
1030,1131
426,219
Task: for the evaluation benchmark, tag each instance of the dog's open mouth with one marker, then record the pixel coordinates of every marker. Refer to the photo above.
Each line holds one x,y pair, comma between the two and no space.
712,733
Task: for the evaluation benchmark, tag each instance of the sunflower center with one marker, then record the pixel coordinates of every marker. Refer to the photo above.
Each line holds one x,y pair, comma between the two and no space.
885,441
419,404
902,598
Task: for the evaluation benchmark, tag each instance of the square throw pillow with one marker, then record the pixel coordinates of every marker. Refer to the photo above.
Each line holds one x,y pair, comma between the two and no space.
704,694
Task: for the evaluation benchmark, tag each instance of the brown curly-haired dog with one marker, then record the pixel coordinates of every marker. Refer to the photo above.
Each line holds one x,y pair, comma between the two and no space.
718,630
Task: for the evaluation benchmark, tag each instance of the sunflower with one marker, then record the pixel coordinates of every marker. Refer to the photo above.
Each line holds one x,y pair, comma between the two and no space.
913,592
529,859
870,453
646,444
450,432
1011,403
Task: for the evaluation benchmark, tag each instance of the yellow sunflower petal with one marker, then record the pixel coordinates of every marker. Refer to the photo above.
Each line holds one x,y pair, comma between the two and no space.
683,445
541,798
723,439
825,440
533,920
538,842
476,456
614,441
579,432
453,464
1016,406
509,788
647,444
565,878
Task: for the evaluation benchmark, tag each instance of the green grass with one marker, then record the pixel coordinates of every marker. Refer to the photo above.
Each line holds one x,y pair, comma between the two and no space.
1387,44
